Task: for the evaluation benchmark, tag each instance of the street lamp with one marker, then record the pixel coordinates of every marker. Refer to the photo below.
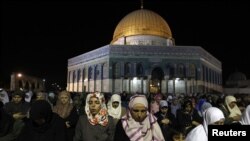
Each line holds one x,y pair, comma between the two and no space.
19,75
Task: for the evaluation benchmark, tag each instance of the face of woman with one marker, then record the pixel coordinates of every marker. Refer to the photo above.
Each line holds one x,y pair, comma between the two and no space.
232,104
188,108
64,99
115,104
178,137
94,105
139,112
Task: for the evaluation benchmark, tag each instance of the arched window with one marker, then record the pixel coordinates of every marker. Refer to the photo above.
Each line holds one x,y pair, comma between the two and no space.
68,78
139,69
171,70
79,75
127,69
83,74
192,70
90,73
105,71
74,76
116,70
181,70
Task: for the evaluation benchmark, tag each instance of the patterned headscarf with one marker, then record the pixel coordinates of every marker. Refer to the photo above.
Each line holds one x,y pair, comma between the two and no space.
100,118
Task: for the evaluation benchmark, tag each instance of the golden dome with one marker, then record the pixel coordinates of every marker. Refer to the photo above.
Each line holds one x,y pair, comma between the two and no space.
142,22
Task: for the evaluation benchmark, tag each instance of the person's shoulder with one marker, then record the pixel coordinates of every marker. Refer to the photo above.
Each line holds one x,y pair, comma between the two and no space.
198,129
82,117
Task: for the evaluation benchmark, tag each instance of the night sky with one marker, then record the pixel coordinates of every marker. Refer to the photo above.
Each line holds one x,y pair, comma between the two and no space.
38,37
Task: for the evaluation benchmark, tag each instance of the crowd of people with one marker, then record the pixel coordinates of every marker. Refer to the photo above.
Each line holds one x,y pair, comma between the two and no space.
95,116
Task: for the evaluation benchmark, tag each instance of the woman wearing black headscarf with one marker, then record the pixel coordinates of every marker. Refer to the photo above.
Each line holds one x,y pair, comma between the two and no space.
44,125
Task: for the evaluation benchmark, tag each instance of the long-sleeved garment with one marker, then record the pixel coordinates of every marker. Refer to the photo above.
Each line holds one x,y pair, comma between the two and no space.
53,128
88,132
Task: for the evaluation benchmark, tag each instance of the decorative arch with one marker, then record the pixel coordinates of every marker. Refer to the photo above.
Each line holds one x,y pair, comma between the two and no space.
181,71
90,73
116,70
192,70
170,70
139,70
104,71
127,69
79,75
157,75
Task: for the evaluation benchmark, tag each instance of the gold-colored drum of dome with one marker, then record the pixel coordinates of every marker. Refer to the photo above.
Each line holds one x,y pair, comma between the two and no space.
142,22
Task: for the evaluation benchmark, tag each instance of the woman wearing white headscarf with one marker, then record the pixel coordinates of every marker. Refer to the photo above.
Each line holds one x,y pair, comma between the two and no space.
96,125
138,124
245,118
115,108
4,96
212,116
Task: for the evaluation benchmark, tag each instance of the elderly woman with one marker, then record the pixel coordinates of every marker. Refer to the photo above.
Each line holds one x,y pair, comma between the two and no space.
138,124
212,116
68,112
96,125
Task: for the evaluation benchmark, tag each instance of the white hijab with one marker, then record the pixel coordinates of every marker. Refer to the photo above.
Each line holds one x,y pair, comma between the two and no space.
148,130
200,133
115,112
28,96
4,96
245,118
235,110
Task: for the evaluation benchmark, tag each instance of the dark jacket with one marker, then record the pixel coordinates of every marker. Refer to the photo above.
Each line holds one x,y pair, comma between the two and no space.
72,119
120,134
88,132
166,129
53,129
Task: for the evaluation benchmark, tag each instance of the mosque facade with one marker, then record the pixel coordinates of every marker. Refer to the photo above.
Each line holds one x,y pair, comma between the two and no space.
143,58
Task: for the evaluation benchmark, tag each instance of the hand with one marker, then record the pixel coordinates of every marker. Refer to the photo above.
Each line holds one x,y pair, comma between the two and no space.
67,124
195,123
165,121
236,118
18,116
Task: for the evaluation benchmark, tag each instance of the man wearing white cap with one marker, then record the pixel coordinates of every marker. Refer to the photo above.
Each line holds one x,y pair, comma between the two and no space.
165,119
